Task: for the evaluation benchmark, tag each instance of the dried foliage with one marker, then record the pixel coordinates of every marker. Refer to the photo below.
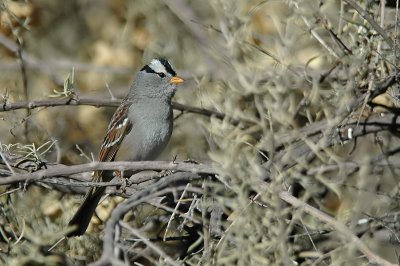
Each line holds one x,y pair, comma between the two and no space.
289,117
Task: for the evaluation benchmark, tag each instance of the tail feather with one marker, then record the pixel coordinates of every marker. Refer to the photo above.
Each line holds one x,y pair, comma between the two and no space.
80,221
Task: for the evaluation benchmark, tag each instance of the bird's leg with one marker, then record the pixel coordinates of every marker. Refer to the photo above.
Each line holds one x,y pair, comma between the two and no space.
125,181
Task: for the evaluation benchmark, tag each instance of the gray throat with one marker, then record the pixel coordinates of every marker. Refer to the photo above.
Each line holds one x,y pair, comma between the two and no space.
152,109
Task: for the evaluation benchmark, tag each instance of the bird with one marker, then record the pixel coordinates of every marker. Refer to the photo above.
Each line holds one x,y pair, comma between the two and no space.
139,130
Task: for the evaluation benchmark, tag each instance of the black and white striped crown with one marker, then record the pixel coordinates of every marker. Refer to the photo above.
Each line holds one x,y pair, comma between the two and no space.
159,65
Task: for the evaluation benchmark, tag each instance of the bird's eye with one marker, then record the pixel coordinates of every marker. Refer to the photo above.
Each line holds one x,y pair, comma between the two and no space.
161,74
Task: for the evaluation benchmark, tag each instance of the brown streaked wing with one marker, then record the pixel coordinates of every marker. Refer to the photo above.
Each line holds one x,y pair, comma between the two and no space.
117,129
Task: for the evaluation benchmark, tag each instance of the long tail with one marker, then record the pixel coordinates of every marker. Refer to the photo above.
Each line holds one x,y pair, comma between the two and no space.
82,217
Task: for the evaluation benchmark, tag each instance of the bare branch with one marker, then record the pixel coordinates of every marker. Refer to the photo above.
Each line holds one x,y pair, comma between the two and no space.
63,170
326,135
6,106
96,102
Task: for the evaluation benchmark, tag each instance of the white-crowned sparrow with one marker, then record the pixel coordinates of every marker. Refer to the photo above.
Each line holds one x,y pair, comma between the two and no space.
139,129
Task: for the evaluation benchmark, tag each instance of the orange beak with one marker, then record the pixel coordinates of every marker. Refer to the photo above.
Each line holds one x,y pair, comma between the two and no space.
176,80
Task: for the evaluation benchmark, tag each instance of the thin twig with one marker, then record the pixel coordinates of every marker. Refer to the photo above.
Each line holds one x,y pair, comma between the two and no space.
344,231
363,13
24,77
150,244
319,38
175,210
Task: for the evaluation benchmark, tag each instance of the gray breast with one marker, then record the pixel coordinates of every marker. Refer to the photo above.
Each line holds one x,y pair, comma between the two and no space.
155,136
150,134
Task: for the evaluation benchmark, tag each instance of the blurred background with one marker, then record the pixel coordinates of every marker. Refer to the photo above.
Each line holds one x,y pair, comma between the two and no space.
272,67
104,43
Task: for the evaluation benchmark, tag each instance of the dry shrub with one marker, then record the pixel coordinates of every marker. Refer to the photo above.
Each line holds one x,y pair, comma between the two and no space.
294,80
